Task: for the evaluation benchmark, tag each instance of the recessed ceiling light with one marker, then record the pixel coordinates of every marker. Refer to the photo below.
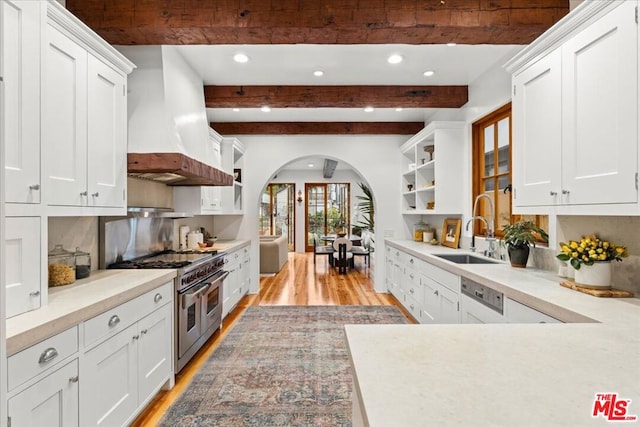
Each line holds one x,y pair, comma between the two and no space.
399,109
428,73
236,109
311,165
451,44
265,109
368,109
394,59
318,73
241,58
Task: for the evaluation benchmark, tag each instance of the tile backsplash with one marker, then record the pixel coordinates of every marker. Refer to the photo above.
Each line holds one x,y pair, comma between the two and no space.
75,232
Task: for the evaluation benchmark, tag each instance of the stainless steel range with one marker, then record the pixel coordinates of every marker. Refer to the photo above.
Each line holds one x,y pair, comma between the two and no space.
198,285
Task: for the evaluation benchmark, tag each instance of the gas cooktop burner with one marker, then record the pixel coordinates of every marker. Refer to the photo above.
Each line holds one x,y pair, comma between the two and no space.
164,260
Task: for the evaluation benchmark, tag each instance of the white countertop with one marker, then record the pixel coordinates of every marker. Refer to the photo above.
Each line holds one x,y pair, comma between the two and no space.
500,374
72,304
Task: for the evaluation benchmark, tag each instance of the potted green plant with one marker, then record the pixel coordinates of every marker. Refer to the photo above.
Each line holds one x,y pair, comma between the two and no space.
518,237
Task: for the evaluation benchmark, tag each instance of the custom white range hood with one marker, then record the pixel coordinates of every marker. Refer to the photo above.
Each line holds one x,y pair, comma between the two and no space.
168,127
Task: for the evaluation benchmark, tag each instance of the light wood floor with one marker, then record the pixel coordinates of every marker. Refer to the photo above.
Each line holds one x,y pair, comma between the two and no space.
298,283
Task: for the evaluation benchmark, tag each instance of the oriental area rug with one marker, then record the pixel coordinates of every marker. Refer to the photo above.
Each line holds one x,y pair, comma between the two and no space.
278,366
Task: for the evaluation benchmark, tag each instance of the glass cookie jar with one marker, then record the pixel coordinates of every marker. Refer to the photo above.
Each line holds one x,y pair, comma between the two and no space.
83,264
62,266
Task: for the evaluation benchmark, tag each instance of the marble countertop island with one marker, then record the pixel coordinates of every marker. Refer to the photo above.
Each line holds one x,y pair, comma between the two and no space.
499,374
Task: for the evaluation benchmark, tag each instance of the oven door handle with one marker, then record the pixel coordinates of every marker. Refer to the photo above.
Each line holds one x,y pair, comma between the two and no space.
220,278
188,297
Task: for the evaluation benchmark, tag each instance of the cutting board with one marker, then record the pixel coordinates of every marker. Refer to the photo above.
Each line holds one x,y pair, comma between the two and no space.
602,293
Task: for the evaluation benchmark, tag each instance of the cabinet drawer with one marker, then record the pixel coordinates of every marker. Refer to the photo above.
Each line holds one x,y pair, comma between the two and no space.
441,276
39,357
124,315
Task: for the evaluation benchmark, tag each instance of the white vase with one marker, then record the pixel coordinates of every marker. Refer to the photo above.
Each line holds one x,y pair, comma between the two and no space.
596,276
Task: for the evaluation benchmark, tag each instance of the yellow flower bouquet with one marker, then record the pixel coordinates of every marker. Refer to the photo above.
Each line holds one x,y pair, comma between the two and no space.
590,249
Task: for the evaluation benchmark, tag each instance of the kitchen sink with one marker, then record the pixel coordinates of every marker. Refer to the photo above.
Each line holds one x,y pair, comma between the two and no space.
466,259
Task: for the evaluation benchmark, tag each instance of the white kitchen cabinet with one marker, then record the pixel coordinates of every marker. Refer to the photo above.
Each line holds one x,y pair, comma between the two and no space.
516,312
432,179
396,275
441,295
106,135
52,401
123,372
83,115
23,265
21,29
575,115
600,110
110,381
237,283
412,289
537,132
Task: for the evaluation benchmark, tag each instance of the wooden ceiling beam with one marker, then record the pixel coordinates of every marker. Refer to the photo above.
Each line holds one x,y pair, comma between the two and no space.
335,96
317,128
125,22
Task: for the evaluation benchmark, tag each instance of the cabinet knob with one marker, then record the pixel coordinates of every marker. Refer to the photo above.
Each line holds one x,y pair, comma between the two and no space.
96,194
34,293
135,337
553,193
113,321
411,260
412,307
411,290
84,193
435,292
48,355
565,192
157,298
143,332
34,187
74,379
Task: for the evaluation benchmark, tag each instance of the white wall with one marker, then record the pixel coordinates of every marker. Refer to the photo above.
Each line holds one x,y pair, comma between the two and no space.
300,177
376,158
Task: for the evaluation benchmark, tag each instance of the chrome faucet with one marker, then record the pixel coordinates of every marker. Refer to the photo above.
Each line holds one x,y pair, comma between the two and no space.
490,236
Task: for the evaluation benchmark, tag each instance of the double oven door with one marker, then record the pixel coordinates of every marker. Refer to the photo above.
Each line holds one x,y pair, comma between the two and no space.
199,312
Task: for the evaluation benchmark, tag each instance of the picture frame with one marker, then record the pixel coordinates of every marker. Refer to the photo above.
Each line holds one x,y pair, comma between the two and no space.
237,175
450,235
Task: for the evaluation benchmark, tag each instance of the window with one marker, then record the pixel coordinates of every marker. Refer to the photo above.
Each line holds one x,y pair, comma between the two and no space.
327,210
492,167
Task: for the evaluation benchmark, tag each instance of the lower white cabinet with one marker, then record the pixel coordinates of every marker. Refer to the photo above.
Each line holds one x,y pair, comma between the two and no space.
237,283
121,374
429,293
22,267
52,401
520,313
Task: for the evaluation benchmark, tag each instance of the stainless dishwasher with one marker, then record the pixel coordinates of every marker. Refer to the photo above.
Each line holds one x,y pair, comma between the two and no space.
480,304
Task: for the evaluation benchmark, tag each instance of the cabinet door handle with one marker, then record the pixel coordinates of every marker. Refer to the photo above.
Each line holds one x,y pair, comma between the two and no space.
74,379
435,292
553,193
34,293
565,192
114,320
48,355
34,187
411,290
411,260
411,275
84,193
412,307
96,194
143,332
135,337
157,298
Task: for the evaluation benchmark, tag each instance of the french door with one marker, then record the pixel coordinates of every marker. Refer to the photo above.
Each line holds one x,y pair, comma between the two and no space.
277,212
326,211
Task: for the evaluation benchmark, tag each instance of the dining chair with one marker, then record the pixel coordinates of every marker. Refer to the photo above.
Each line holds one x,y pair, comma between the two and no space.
345,257
322,250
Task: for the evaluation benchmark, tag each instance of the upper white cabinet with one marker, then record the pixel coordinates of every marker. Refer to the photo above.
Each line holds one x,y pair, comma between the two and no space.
21,29
430,183
575,112
232,153
83,116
